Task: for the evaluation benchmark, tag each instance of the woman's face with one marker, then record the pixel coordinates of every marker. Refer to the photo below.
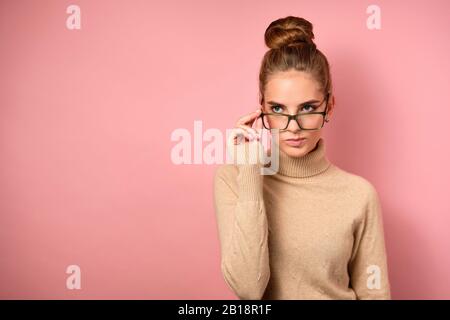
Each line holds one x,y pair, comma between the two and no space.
285,92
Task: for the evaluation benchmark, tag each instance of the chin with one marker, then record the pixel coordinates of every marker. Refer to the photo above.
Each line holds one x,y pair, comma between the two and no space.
295,151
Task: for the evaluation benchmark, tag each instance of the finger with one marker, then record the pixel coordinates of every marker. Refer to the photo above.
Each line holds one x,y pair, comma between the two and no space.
252,132
258,124
237,135
249,117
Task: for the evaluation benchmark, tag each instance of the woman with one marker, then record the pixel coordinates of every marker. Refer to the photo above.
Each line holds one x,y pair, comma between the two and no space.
311,230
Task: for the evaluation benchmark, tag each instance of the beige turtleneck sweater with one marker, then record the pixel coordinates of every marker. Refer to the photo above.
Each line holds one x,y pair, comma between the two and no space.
311,231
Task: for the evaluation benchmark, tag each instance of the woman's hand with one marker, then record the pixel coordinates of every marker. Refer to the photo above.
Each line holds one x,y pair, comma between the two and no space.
244,142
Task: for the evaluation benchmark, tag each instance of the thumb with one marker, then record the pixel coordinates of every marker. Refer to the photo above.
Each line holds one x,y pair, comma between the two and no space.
258,124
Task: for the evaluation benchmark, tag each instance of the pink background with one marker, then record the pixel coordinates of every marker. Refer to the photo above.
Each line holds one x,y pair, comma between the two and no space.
86,118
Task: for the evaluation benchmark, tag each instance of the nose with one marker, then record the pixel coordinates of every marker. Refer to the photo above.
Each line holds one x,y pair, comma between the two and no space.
293,126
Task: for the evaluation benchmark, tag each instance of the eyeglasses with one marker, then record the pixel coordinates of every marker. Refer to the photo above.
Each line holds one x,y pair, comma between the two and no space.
312,120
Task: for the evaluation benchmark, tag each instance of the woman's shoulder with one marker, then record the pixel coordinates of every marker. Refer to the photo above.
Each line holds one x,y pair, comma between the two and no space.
353,182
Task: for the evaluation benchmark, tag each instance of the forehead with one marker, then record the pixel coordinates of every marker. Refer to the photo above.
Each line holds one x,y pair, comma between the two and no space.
291,86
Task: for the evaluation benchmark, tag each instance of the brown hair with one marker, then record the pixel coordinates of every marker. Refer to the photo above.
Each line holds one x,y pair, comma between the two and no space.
290,40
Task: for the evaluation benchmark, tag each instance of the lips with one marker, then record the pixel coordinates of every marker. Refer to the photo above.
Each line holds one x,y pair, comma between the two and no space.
295,139
296,142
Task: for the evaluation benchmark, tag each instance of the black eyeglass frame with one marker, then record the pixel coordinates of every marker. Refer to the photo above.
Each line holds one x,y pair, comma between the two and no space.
294,116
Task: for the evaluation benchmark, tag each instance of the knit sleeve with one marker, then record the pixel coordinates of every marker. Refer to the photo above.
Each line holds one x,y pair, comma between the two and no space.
368,267
243,230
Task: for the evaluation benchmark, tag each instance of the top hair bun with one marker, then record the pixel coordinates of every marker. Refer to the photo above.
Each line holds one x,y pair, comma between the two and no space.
289,31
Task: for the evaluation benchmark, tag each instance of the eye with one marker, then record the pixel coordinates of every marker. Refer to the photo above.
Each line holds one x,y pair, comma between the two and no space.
311,108
276,109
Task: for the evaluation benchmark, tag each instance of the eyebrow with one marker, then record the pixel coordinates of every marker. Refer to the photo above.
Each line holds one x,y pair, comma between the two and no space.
301,104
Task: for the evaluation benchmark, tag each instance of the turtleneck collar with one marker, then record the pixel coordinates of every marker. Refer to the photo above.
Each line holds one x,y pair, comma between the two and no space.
312,163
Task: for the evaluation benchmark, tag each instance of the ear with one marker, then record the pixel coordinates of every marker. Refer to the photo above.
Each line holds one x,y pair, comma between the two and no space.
331,103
